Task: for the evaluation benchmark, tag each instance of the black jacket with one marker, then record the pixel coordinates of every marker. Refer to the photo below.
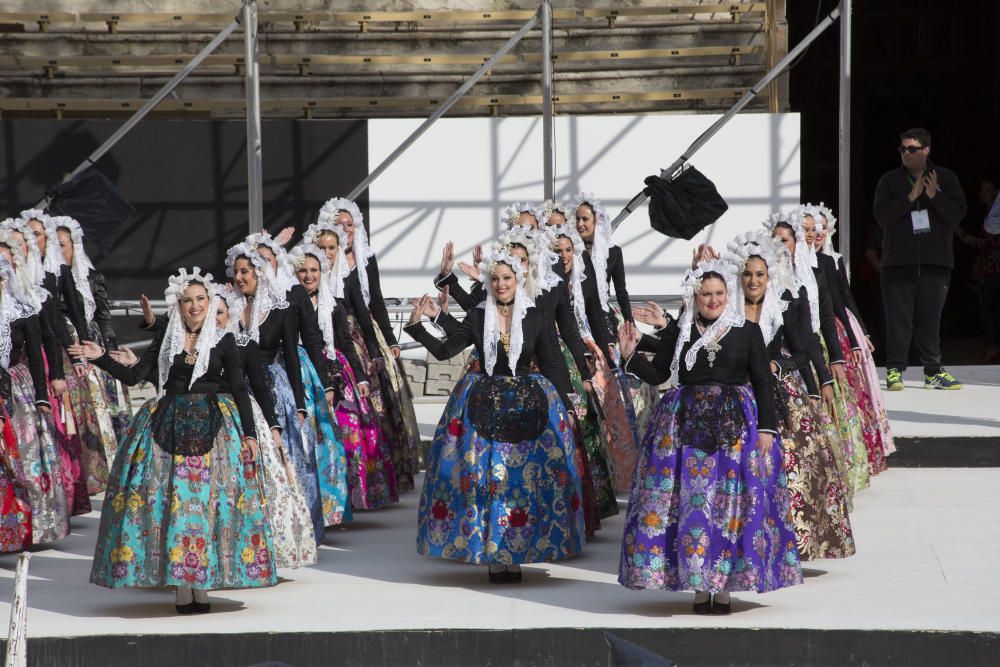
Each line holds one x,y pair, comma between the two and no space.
900,246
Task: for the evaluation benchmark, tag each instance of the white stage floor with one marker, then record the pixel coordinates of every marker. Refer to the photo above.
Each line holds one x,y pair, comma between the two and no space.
928,540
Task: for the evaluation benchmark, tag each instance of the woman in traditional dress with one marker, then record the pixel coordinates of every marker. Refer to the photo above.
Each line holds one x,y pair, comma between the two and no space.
184,505
263,315
30,278
370,475
826,227
42,466
503,485
849,444
401,426
817,489
88,310
709,509
568,246
331,464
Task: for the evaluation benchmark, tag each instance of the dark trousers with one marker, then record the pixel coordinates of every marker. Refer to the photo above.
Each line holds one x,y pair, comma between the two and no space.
991,309
913,297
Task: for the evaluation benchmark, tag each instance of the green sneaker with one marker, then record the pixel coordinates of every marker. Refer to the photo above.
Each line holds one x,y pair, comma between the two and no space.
942,380
894,380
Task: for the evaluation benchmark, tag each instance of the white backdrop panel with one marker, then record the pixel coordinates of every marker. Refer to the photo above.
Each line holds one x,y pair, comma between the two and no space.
454,181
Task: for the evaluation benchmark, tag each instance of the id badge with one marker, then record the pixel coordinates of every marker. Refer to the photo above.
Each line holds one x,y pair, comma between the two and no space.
921,221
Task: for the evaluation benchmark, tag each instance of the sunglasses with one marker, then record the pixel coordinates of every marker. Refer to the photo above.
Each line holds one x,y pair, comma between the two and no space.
909,149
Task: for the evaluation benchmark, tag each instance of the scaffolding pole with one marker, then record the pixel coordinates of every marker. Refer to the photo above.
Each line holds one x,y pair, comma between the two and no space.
844,170
255,175
548,140
148,106
672,171
443,109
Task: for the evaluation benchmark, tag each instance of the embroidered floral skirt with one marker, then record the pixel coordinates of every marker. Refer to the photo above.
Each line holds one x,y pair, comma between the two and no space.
874,388
615,426
871,432
331,461
599,464
94,429
405,449
115,396
502,482
846,421
171,519
371,479
45,470
15,506
817,489
386,408
705,518
293,540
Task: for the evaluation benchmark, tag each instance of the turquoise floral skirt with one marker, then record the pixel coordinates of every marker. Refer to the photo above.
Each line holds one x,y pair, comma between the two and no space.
184,519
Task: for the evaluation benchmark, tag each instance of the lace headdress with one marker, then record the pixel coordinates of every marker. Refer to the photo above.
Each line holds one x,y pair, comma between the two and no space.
173,339
732,315
760,244
830,228
549,207
339,270
269,295
577,273
518,237
326,301
546,277
285,272
803,262
54,259
491,328
602,242
82,265
33,262
15,304
511,214
30,273
361,247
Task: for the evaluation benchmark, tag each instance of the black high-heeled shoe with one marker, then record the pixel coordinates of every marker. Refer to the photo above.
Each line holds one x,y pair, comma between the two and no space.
202,607
498,577
185,608
514,576
703,607
721,608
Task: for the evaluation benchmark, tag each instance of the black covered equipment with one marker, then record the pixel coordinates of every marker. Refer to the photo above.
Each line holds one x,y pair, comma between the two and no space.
684,206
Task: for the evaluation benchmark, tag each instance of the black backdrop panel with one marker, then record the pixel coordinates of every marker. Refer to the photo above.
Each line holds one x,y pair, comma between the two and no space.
187,180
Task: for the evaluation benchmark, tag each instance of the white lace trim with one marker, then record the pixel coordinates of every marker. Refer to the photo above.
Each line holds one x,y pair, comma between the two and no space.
362,249
577,274
81,266
28,273
173,339
269,295
549,207
602,243
830,227
517,236
491,325
510,214
760,244
285,272
545,276
732,316
803,262
325,299
13,306
340,269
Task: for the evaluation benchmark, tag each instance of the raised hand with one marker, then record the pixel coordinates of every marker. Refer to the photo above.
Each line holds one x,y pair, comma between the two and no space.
477,254
471,270
124,356
649,313
147,310
285,235
420,307
447,258
628,339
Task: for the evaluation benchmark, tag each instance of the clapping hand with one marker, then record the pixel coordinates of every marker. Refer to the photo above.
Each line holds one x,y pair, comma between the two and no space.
649,313
87,349
628,339
147,310
447,258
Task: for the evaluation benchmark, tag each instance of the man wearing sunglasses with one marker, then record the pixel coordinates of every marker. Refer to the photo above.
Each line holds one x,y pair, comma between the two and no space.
919,206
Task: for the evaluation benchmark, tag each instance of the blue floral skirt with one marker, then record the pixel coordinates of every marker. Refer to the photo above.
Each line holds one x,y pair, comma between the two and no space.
709,511
184,519
502,482
331,458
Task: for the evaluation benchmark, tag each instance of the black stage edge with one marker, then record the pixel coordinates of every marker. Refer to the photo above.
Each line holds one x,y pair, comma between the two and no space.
947,452
552,647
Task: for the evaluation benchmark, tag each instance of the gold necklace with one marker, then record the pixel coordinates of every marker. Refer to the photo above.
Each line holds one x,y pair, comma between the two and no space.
505,341
191,357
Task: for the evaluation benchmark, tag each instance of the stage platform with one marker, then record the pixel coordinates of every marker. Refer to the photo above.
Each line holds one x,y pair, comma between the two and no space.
923,586
922,589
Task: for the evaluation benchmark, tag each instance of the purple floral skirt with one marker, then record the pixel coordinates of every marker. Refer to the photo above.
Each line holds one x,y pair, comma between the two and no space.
709,510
